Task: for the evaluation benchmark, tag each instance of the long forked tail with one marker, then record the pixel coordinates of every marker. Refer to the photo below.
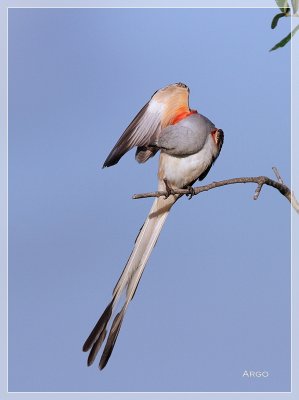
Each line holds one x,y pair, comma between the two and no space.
128,281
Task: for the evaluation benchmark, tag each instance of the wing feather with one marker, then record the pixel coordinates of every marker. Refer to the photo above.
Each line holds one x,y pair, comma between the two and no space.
159,112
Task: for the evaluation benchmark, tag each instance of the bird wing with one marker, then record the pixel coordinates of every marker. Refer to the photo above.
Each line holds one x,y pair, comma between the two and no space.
186,137
163,109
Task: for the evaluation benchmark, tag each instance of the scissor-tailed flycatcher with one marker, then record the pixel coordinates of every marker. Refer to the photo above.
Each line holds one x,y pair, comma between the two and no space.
189,144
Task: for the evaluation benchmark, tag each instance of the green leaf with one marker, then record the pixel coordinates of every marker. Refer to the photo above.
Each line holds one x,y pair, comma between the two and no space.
276,19
285,40
283,5
295,6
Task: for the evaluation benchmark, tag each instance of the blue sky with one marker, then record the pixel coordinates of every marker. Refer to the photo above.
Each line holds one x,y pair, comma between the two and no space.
215,298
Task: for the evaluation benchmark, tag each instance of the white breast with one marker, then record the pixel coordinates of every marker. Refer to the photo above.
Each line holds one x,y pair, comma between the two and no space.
181,171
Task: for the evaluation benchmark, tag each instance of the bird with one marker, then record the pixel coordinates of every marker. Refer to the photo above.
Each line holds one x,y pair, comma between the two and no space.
189,143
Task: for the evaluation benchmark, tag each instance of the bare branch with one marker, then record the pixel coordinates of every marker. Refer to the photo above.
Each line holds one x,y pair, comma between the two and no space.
259,180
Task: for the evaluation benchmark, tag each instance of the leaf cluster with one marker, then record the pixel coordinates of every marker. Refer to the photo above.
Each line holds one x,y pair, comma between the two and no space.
285,9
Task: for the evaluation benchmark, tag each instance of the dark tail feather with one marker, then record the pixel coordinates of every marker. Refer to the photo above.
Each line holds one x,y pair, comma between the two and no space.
99,327
96,347
114,331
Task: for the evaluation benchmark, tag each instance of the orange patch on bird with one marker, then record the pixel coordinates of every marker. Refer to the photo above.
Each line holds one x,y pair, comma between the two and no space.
216,136
213,133
182,115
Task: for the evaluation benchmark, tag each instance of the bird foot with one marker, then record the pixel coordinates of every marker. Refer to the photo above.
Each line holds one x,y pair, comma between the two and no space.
168,189
192,192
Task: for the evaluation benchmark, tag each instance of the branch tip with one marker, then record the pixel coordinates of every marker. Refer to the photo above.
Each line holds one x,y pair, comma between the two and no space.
258,191
277,174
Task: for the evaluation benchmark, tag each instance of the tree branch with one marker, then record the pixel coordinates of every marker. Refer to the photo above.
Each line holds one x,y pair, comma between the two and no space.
259,180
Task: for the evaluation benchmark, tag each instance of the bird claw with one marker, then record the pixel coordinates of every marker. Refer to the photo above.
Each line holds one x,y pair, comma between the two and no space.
168,189
192,192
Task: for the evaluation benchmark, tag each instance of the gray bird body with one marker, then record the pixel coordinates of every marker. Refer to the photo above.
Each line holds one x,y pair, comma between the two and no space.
187,149
187,137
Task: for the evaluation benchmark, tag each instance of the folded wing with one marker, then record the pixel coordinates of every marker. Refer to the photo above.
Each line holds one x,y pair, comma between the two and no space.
187,137
162,110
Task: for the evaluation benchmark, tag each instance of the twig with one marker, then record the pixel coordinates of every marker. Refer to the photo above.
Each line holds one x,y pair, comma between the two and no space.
276,172
259,180
258,191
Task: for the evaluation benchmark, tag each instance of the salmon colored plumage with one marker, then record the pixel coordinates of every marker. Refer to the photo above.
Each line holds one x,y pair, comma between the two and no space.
183,115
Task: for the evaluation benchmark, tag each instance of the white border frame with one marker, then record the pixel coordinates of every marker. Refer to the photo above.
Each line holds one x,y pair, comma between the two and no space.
4,7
